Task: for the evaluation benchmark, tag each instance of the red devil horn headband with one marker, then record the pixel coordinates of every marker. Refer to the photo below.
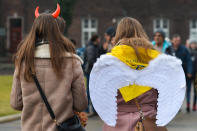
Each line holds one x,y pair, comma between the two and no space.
55,14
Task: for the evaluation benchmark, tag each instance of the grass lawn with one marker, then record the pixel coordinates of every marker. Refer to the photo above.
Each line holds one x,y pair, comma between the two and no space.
5,89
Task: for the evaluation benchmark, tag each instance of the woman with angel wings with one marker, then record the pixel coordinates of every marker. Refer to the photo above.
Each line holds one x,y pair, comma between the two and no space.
134,86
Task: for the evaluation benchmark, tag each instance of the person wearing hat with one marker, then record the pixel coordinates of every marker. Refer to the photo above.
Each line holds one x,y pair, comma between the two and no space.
109,35
159,42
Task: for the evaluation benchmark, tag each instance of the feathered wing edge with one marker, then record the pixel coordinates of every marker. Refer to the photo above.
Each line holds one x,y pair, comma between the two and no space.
173,81
107,62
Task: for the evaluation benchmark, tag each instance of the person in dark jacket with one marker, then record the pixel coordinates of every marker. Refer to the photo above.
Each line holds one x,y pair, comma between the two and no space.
91,54
181,52
193,52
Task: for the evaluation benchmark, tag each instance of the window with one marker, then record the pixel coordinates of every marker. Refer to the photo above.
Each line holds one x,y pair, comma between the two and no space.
89,27
193,24
93,23
86,37
161,24
86,23
157,23
193,29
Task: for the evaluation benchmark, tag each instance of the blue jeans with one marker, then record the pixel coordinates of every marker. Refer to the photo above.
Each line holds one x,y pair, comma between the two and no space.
88,95
188,91
195,93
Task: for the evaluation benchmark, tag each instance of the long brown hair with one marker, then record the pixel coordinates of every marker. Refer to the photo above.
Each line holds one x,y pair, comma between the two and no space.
44,27
131,32
61,23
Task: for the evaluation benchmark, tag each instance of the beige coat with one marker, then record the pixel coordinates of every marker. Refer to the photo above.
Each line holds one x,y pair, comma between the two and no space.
65,95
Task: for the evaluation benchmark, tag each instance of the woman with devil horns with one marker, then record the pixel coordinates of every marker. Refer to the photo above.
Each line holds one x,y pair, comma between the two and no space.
46,60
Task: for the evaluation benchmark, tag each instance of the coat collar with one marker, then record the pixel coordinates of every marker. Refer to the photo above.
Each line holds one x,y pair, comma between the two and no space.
43,51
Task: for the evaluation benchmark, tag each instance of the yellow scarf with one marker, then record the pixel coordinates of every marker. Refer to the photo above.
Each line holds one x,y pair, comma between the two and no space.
127,55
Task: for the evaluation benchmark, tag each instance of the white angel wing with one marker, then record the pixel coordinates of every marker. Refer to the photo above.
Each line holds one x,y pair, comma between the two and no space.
165,74
109,74
105,79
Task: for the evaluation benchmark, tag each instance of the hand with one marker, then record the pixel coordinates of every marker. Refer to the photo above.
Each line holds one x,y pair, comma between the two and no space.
105,46
83,118
189,75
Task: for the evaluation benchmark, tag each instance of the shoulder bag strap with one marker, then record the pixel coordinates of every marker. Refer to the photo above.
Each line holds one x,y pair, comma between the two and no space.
44,99
139,109
141,114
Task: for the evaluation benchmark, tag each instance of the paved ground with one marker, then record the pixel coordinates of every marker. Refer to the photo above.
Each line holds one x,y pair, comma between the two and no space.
11,126
6,65
6,68
182,122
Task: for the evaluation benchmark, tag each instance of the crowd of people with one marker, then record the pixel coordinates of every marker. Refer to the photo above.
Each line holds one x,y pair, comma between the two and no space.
187,53
49,87
175,47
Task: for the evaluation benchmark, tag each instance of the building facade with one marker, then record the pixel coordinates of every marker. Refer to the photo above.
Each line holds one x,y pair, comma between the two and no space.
172,16
95,16
16,18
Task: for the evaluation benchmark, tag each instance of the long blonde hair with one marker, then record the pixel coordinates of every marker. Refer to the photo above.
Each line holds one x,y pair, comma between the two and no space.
131,32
